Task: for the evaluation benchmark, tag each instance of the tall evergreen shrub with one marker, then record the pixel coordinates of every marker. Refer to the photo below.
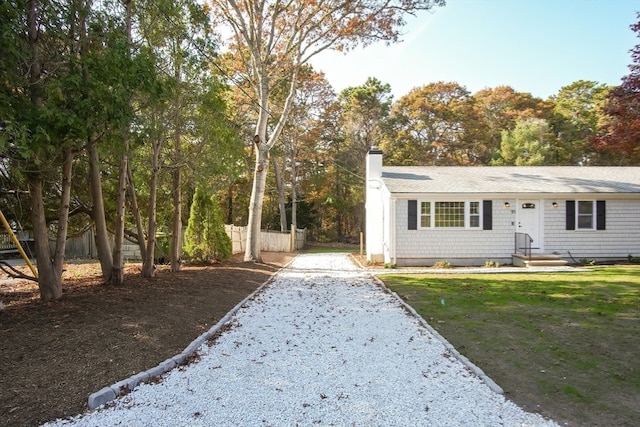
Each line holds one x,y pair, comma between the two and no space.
205,238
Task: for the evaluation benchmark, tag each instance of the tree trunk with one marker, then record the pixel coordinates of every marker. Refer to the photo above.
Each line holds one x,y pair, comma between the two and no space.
63,217
294,193
230,204
49,283
252,252
282,207
263,146
50,268
148,266
117,272
97,213
176,243
136,212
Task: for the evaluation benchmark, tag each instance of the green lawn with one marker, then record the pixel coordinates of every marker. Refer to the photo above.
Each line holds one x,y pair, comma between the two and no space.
325,249
564,344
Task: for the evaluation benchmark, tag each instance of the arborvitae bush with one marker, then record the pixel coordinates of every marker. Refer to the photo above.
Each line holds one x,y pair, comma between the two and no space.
205,238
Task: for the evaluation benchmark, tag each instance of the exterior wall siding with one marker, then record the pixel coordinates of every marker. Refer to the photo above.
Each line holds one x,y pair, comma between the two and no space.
620,239
386,225
473,247
458,246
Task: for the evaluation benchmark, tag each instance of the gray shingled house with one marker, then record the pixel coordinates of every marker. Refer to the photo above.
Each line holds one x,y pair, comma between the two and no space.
417,216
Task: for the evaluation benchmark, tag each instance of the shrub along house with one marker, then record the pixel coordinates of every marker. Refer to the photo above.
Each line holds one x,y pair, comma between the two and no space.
417,216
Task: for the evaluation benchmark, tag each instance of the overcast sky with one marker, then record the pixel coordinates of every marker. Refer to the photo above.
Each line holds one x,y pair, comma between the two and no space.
535,46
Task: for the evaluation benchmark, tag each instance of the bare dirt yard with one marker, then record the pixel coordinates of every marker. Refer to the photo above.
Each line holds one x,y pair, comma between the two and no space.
54,355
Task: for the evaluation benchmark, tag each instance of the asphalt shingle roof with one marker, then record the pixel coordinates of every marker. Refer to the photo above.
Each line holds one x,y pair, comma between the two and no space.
511,179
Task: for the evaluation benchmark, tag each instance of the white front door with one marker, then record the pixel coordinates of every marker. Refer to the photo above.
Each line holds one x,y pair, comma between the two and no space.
529,221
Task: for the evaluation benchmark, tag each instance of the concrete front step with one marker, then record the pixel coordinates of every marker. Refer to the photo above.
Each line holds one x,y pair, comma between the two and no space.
539,260
546,263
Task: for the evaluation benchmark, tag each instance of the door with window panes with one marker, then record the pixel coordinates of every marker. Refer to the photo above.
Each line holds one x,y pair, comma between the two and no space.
529,221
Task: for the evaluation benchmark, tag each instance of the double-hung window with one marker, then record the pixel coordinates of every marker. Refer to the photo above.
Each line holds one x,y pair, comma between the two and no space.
425,214
586,215
474,214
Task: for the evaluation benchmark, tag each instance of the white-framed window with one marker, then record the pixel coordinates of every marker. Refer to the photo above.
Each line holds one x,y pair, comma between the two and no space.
585,215
474,214
450,214
425,214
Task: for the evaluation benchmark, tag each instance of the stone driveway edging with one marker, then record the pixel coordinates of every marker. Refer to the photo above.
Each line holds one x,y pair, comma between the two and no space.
123,387
450,348
107,394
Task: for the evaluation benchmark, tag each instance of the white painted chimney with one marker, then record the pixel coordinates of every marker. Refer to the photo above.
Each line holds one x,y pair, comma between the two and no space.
374,207
374,164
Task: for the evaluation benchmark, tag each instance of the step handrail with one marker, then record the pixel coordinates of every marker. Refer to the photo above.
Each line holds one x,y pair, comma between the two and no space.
523,241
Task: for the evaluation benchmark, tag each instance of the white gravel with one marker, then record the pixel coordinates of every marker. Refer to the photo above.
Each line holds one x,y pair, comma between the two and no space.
322,344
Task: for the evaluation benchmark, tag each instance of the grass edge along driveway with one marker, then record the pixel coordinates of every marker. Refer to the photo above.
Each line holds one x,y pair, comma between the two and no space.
566,345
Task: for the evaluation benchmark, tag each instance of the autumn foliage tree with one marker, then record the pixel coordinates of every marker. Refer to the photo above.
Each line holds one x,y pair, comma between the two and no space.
620,133
498,109
301,137
273,38
435,125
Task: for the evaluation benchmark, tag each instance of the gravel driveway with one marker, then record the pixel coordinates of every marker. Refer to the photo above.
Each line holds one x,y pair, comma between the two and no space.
321,344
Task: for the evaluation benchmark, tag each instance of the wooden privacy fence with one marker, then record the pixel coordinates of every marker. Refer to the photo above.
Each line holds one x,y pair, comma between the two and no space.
7,246
84,246
81,246
270,241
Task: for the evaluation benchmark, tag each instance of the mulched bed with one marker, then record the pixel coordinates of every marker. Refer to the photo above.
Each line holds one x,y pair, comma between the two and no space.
54,355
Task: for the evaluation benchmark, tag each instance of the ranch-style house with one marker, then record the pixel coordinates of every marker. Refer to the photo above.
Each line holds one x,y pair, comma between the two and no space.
521,215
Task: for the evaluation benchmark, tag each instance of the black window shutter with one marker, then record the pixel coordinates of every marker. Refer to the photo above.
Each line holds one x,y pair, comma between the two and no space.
601,215
413,215
571,214
487,215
